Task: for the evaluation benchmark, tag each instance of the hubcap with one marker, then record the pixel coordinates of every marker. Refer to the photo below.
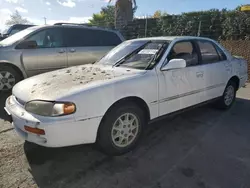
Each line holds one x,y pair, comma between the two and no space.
7,80
125,130
229,95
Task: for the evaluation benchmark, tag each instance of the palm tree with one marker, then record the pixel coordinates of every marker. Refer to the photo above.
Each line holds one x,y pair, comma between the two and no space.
124,12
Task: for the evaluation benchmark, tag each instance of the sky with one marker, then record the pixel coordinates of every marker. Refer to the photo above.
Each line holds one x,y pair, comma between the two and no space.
79,11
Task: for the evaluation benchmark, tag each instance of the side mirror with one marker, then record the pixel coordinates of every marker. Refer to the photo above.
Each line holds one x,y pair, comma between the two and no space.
175,64
27,44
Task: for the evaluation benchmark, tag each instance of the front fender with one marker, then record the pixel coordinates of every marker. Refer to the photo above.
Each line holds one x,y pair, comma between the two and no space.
96,102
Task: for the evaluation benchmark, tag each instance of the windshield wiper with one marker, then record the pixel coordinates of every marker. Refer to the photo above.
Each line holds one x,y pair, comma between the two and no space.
156,55
120,61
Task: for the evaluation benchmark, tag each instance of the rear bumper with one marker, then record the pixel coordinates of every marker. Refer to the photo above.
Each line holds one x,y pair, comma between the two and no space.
59,131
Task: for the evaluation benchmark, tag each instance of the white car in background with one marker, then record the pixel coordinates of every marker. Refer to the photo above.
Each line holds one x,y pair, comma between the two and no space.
111,101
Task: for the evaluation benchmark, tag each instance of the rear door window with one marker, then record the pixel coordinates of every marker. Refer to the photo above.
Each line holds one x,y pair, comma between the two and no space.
74,37
222,55
83,37
108,38
208,52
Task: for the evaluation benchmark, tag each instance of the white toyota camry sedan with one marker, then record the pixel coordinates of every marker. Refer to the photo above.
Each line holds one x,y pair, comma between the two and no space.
111,101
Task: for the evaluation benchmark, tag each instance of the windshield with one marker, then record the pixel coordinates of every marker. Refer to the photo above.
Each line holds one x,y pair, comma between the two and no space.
16,37
121,51
13,31
135,54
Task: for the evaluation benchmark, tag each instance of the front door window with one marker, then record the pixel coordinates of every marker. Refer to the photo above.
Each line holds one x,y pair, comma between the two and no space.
49,38
184,50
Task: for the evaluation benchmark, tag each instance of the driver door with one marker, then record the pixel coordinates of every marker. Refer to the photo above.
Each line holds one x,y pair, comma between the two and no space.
182,87
49,55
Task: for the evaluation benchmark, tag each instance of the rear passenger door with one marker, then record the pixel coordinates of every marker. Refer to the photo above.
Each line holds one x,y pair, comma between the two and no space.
216,68
88,45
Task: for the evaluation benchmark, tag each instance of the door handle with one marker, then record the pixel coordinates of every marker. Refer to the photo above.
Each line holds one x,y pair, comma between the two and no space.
61,51
72,50
199,74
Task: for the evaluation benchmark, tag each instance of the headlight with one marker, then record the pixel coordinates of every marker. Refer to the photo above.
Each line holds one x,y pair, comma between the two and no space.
46,108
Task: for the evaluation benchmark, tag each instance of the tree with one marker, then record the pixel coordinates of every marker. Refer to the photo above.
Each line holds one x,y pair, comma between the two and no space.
106,17
216,24
159,14
236,25
124,12
16,18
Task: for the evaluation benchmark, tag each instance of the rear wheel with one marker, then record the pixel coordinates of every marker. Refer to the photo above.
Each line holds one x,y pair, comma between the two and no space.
121,129
8,78
229,95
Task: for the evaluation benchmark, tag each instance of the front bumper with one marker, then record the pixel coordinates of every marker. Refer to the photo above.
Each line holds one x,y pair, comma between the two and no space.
59,131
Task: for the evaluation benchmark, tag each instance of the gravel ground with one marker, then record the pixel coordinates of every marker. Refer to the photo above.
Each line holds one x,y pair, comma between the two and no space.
201,148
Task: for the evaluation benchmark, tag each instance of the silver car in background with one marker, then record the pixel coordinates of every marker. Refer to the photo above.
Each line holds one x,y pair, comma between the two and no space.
41,49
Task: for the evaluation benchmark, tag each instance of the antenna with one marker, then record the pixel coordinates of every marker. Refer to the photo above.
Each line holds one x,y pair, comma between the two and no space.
45,20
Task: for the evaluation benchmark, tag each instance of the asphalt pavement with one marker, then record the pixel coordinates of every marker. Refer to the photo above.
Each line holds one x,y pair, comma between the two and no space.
201,148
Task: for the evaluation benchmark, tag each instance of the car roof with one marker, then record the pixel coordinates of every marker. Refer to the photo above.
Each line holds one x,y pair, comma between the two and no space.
170,38
23,25
37,26
75,26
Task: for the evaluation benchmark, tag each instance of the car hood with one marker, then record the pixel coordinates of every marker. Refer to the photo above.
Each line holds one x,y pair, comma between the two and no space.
58,84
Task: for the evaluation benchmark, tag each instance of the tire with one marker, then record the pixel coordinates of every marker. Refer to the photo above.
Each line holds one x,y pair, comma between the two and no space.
229,95
115,138
8,78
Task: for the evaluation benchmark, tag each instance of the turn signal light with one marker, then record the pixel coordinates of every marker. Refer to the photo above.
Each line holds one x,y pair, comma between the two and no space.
69,108
34,130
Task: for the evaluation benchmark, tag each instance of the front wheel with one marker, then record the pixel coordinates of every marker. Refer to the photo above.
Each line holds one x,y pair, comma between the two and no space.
8,78
121,129
229,95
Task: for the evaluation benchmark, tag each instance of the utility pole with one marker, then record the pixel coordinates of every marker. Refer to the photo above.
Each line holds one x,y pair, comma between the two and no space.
199,29
45,20
146,25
